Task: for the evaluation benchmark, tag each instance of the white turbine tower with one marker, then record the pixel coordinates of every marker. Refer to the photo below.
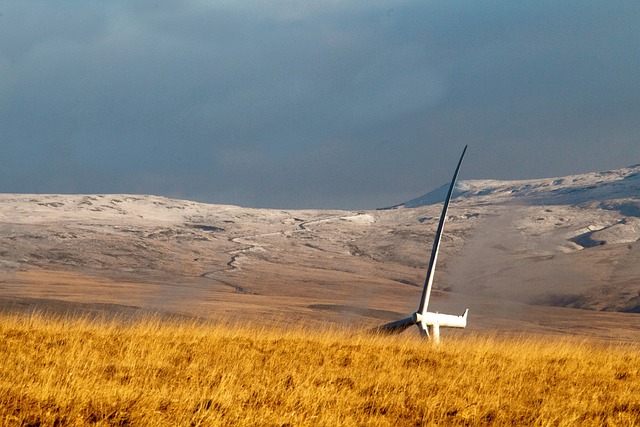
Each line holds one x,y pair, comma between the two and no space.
428,322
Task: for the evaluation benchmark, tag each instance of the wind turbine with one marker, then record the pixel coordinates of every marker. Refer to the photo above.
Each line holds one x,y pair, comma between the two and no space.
428,322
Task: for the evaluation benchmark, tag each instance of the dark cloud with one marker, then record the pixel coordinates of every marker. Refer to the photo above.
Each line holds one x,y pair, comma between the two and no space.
332,104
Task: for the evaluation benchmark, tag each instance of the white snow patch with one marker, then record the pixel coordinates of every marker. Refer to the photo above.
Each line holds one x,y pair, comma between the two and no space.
360,219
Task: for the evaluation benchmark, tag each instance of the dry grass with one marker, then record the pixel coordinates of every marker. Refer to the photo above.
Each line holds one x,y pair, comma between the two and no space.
81,372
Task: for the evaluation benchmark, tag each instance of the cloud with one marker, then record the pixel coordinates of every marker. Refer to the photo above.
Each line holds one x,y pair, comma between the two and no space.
334,104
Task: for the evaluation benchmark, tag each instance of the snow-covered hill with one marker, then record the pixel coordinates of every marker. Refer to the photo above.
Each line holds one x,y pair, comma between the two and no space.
514,252
621,183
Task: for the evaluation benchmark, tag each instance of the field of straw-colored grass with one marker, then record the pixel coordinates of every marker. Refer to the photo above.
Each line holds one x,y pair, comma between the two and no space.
58,372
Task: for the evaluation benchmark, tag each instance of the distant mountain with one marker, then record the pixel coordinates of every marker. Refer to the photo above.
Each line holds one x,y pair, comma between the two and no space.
569,190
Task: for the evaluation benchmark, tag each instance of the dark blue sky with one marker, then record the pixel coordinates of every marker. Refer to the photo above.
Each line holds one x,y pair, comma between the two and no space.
338,104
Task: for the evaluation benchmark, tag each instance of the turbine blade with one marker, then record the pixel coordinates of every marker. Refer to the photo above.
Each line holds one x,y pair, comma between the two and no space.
428,283
395,327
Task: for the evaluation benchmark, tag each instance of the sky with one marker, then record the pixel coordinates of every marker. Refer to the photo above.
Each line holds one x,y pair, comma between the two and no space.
306,104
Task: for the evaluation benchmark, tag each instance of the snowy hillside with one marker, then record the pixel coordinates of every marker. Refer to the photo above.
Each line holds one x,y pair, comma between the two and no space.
513,252
569,190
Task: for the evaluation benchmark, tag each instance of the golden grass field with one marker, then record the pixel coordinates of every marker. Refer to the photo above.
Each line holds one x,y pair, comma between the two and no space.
65,371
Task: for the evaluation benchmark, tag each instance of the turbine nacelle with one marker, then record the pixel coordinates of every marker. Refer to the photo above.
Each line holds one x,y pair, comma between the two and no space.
429,323
440,319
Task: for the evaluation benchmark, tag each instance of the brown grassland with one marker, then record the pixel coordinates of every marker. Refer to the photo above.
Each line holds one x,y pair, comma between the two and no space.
66,371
